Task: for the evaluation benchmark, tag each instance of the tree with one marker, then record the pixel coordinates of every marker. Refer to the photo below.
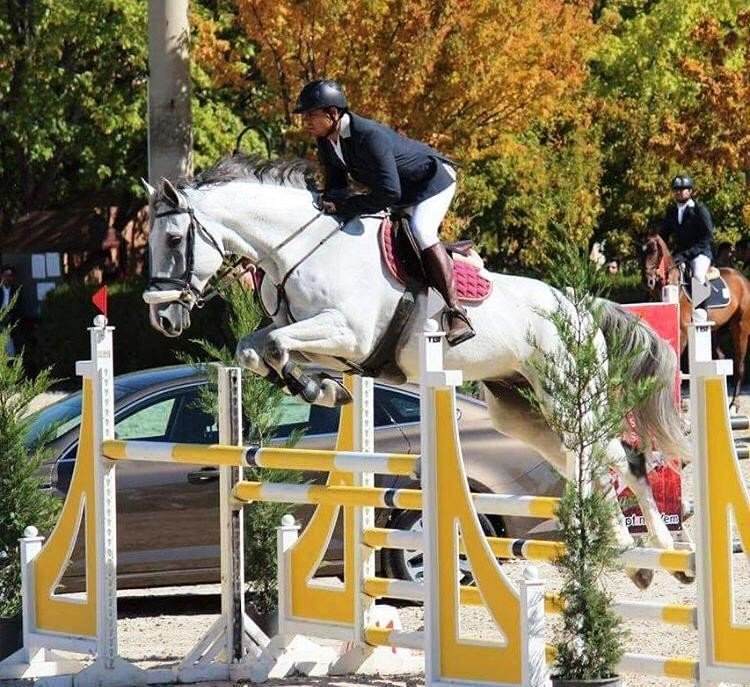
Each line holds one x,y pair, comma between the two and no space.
72,101
490,83
73,88
23,500
657,80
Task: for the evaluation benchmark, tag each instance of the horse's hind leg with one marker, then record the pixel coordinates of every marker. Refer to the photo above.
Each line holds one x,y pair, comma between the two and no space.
512,414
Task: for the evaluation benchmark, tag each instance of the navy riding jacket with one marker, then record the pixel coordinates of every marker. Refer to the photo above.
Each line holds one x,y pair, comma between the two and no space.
397,170
693,236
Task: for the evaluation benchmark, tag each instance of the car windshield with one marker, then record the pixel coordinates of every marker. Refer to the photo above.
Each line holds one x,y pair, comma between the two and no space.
62,416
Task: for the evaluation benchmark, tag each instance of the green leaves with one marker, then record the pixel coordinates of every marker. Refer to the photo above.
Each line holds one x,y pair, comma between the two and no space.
23,502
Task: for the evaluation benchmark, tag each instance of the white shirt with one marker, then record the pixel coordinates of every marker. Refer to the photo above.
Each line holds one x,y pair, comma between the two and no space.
345,132
6,296
681,209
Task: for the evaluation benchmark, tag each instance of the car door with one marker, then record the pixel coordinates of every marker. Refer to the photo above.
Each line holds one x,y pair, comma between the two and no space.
166,499
165,525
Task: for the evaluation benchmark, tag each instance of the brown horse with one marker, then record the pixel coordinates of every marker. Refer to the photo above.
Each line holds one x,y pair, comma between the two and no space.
658,270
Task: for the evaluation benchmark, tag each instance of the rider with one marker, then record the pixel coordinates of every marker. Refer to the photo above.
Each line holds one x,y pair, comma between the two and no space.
691,225
397,171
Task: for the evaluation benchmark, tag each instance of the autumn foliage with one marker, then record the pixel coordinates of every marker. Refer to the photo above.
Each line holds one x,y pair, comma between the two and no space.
459,74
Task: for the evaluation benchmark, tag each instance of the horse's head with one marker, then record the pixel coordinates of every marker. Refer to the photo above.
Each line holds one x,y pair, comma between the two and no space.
653,266
183,256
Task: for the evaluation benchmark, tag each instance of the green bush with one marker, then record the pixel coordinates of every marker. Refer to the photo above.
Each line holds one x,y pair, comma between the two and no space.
23,502
62,335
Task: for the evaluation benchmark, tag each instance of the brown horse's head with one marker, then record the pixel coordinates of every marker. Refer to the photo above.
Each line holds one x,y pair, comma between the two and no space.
656,265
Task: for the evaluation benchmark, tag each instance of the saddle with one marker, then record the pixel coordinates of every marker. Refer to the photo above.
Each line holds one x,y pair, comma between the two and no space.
401,257
720,294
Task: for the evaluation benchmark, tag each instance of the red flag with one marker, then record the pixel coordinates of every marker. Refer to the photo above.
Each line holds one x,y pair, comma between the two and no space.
99,299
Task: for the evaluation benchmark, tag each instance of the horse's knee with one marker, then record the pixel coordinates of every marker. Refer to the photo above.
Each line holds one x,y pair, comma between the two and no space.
247,356
274,352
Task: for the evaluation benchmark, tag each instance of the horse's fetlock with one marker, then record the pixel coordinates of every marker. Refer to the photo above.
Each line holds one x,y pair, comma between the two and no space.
300,383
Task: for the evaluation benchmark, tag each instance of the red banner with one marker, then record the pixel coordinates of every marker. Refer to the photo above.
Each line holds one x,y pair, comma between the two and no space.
665,475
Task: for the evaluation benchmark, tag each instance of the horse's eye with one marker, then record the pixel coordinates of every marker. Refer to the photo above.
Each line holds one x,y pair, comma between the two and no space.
174,240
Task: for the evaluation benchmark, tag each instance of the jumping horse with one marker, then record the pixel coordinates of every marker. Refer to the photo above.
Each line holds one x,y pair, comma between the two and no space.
658,270
331,298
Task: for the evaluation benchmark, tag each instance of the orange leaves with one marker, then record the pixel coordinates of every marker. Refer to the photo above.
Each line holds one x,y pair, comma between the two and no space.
215,55
456,73
718,124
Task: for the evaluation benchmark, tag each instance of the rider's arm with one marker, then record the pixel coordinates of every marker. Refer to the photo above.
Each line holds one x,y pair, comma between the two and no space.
706,221
386,187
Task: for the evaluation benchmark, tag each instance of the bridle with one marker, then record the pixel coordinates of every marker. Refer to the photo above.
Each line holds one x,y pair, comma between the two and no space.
657,275
189,293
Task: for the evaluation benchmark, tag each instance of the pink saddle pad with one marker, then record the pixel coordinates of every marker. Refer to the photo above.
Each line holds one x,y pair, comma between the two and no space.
470,285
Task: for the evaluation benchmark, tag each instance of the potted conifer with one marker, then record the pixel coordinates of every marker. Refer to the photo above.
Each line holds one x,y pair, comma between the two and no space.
23,501
590,644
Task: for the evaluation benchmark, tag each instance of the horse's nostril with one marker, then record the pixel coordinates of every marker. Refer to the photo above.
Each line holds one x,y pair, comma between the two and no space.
165,324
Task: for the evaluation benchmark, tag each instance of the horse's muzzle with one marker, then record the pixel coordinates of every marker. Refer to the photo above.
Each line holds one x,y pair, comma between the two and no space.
170,319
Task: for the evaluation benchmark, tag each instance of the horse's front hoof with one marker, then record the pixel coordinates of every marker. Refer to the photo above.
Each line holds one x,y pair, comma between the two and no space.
334,393
642,578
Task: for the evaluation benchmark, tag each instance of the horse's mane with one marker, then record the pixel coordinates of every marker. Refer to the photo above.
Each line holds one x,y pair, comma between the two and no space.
290,172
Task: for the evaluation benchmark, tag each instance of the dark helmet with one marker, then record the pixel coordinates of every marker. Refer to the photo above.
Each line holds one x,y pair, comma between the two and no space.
682,181
318,94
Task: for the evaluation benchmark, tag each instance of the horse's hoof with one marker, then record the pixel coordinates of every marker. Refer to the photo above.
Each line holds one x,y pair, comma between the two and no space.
333,392
683,578
642,577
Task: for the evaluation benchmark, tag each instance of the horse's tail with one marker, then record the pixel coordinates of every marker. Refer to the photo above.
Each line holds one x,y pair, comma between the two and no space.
657,417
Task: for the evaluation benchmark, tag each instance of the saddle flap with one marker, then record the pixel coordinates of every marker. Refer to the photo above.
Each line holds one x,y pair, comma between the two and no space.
720,294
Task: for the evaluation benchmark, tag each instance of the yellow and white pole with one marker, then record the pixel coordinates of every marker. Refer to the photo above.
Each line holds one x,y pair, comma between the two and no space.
722,503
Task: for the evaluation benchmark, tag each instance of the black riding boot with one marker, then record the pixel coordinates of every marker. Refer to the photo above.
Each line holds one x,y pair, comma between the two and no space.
439,268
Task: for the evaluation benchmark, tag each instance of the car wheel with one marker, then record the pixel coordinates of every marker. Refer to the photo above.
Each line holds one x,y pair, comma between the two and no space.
409,564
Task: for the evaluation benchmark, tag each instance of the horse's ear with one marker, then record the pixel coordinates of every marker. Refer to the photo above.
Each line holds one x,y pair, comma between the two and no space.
170,193
149,188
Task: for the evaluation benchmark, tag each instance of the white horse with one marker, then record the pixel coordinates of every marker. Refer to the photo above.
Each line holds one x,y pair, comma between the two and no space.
331,300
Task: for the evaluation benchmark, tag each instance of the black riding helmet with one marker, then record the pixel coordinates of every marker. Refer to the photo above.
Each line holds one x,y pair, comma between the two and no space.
318,94
682,181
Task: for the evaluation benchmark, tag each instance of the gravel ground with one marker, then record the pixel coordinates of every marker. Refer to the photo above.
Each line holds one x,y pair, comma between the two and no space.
158,627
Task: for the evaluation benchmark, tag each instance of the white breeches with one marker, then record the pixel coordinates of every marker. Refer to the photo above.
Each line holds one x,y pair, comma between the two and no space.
427,215
699,265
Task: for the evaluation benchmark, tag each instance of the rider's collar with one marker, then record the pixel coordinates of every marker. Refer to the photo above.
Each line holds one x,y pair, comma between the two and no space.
345,125
688,203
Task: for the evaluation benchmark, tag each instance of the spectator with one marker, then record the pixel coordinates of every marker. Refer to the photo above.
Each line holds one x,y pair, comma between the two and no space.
742,253
597,254
613,267
725,255
11,311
